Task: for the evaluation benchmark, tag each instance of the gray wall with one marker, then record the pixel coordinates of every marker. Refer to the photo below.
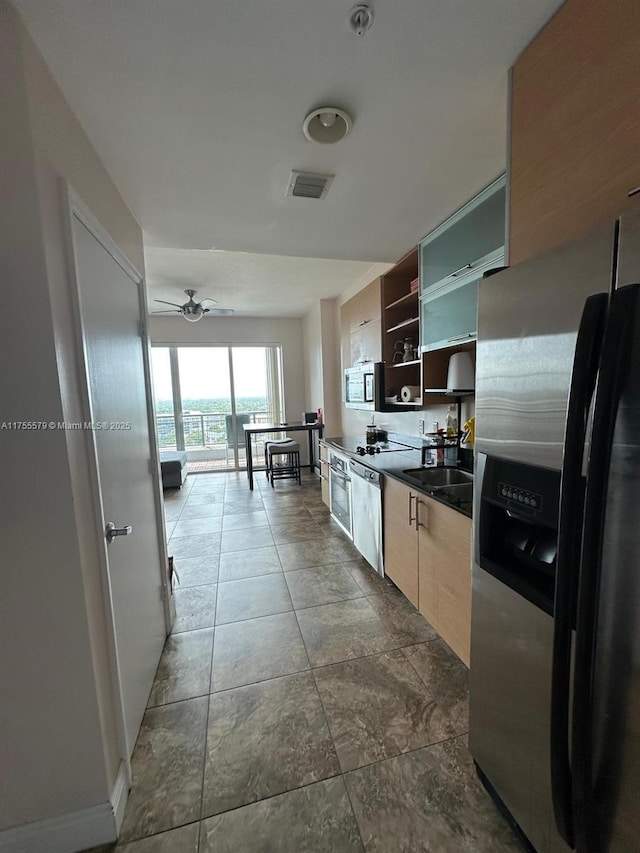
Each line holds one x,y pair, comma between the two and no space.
58,747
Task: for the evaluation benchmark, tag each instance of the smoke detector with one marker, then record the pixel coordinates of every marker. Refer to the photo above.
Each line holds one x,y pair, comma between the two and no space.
361,18
327,125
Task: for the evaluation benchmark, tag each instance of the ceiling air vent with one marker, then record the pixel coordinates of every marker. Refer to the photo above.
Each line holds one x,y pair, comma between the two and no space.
309,184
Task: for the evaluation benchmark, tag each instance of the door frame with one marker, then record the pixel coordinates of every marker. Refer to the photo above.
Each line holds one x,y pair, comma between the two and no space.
75,209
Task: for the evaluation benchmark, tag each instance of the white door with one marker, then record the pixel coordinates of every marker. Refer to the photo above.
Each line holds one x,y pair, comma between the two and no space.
110,317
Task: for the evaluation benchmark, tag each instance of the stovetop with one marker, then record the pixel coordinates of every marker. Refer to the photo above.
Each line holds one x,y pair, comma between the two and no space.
361,448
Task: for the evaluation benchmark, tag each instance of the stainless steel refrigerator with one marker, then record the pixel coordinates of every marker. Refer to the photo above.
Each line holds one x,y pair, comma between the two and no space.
555,638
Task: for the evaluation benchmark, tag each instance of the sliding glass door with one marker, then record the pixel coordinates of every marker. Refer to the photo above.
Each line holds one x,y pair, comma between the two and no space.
204,396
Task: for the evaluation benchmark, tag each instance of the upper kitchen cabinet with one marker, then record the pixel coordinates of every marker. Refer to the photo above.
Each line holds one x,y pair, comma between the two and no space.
575,125
401,329
453,259
360,320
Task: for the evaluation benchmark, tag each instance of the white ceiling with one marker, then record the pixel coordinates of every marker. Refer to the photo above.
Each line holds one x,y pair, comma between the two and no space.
253,285
196,109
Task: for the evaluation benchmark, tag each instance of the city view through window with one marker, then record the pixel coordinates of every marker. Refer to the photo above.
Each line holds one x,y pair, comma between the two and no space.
204,396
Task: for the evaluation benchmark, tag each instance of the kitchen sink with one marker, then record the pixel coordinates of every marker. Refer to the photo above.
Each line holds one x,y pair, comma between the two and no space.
438,477
462,492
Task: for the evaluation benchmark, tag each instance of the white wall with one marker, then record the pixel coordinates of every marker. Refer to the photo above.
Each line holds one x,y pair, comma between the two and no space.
322,362
58,746
354,422
331,367
313,371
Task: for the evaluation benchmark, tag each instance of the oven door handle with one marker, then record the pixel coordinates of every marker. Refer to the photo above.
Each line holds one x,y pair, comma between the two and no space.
340,474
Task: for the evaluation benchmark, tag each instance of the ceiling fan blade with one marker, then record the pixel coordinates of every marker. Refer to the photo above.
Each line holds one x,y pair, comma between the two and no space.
164,302
220,312
208,299
165,312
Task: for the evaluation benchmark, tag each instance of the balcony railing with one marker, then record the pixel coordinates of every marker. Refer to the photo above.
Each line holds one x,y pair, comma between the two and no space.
208,431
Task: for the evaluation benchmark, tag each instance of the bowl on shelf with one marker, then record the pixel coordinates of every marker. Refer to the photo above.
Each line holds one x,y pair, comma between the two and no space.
393,399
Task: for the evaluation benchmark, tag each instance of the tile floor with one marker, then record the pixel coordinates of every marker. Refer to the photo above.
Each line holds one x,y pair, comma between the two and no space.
301,703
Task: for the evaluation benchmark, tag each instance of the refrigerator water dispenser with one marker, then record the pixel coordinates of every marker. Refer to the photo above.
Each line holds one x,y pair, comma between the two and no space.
518,528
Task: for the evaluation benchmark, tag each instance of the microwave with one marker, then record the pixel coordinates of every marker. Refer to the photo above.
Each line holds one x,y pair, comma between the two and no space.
364,386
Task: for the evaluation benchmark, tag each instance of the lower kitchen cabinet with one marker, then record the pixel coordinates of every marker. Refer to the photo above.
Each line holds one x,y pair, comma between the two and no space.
400,538
444,549
324,473
427,554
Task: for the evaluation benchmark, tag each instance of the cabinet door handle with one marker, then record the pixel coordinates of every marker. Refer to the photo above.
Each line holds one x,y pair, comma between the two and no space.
419,504
363,322
411,518
633,192
463,267
461,337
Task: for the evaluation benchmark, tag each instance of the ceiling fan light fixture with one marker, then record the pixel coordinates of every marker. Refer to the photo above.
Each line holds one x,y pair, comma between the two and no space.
193,311
327,125
193,314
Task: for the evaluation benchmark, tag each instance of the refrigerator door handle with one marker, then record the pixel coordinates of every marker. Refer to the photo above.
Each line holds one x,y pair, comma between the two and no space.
613,368
583,381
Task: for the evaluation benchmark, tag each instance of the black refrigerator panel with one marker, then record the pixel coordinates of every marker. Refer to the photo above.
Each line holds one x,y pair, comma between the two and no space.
606,697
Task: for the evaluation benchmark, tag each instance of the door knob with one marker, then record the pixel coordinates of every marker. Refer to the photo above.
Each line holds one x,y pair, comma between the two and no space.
111,531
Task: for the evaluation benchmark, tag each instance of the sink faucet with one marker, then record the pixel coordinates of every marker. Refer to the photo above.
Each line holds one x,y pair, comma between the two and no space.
424,453
439,460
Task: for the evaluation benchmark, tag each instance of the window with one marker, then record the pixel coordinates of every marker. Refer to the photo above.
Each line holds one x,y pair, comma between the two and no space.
204,395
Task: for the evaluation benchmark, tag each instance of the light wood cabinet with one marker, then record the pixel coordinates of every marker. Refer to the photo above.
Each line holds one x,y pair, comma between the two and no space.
324,473
444,548
575,125
400,538
360,326
427,554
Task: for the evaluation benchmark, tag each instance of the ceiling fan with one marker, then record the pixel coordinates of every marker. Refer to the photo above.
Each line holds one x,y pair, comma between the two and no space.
191,310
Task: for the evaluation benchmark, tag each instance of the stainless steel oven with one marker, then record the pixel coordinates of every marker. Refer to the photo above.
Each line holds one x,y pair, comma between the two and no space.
340,491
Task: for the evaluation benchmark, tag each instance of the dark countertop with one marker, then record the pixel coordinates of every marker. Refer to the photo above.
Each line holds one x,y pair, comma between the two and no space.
393,464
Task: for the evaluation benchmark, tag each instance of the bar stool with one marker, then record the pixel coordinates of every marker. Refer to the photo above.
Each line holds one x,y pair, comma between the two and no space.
267,458
289,468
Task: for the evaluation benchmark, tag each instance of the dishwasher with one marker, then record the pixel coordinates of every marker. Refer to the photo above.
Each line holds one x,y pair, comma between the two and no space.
366,500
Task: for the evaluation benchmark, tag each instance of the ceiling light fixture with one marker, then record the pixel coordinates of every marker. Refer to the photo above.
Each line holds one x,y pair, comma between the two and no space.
327,125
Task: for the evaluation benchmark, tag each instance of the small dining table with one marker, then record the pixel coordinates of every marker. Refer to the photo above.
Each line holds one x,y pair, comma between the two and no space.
253,429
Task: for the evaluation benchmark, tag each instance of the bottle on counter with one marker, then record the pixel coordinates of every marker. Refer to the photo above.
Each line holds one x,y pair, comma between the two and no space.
452,422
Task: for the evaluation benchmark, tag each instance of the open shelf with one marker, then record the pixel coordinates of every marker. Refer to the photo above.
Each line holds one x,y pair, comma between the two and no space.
404,324
403,300
401,330
405,363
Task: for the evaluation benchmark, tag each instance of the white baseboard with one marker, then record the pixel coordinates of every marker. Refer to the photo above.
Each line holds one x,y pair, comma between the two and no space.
120,794
74,831
67,833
